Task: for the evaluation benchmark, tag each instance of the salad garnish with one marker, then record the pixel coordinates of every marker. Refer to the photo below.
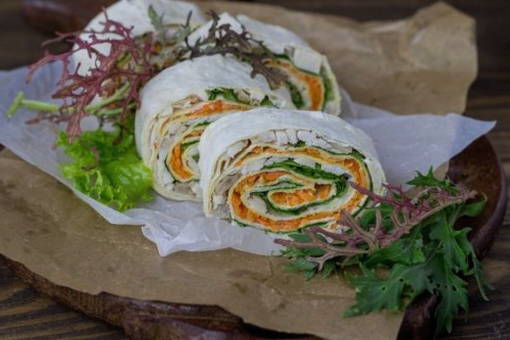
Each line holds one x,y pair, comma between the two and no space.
404,246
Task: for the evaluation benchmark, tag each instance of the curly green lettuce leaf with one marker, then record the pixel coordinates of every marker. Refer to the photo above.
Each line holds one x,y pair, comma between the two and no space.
105,166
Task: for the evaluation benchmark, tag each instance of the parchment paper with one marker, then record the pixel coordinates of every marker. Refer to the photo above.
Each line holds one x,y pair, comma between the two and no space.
423,64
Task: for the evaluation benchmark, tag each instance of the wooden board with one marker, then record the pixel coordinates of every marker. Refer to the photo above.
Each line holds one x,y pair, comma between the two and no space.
477,167
25,313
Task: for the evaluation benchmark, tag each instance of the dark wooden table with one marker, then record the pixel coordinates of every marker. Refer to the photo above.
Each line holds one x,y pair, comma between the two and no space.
26,314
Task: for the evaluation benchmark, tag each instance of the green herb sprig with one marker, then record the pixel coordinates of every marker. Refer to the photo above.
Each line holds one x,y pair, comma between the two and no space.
399,249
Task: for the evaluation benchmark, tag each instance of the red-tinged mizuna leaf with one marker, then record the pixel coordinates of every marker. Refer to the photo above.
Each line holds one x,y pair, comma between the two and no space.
78,89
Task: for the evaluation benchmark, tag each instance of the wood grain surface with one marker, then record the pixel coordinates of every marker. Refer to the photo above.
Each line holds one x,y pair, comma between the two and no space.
26,314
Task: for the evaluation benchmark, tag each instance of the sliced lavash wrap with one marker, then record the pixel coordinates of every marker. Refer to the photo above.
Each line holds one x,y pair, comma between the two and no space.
179,103
284,170
311,82
135,14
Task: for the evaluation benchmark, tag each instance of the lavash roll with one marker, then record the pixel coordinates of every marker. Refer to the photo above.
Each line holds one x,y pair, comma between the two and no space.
134,14
311,82
285,170
179,103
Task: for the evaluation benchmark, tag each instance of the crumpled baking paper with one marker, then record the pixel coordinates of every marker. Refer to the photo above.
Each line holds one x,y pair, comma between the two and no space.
405,144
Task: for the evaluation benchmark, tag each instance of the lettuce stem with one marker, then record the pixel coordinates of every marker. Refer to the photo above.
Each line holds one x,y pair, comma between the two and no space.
95,109
33,105
116,96
36,105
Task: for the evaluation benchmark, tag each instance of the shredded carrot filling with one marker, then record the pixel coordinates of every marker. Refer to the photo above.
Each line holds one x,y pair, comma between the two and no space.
298,197
241,211
314,83
177,165
203,110
214,107
175,162
358,171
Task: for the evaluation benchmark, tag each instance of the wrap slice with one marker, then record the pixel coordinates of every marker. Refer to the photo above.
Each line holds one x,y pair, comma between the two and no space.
284,170
135,14
311,83
179,103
